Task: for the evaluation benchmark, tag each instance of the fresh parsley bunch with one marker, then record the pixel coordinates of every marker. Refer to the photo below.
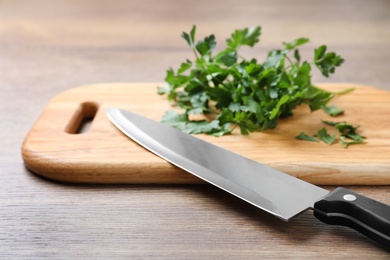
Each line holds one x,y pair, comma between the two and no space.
240,92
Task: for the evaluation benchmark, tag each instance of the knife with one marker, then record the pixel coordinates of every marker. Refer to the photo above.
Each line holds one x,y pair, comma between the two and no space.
264,187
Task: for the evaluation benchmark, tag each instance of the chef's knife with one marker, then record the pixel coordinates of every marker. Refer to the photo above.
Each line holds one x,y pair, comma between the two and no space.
269,189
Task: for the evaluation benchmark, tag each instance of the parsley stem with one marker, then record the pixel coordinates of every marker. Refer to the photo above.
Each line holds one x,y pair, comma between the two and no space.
291,63
342,92
194,51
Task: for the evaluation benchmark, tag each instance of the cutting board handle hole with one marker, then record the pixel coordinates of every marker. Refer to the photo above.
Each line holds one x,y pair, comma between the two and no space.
82,118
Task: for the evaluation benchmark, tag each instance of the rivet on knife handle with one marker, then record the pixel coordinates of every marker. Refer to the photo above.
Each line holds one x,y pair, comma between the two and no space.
348,208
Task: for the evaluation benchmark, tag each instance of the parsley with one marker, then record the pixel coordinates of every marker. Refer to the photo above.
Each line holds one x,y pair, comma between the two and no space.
348,134
305,137
333,110
325,136
326,62
243,93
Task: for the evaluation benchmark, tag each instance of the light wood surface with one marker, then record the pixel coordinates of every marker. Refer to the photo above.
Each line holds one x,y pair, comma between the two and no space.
54,150
47,47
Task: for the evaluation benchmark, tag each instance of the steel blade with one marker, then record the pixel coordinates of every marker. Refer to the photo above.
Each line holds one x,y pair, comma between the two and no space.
269,189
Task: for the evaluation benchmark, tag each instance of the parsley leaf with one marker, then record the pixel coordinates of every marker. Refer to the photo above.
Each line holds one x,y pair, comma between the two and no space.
190,38
345,143
333,110
206,46
245,36
305,137
297,42
325,136
176,120
181,122
326,62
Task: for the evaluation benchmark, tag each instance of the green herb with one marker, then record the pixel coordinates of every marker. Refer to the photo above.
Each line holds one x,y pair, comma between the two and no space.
305,137
243,93
325,136
333,110
181,121
348,134
345,143
326,62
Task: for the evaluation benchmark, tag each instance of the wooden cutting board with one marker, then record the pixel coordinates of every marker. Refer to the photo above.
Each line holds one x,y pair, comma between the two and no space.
54,148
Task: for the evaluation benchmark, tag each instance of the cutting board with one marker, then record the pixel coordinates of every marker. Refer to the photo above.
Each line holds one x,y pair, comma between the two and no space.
57,149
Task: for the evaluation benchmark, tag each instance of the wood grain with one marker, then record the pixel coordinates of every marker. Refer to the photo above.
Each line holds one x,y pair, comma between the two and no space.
48,47
104,155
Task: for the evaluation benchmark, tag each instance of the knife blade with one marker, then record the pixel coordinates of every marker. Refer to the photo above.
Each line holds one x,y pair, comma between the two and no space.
262,186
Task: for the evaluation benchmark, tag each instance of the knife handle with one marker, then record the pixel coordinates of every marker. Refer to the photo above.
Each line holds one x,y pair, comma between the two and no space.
348,208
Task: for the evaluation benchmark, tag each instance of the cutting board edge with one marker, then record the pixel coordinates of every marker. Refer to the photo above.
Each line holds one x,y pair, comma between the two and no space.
61,170
165,173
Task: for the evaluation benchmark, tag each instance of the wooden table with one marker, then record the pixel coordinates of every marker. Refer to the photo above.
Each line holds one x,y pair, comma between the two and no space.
49,46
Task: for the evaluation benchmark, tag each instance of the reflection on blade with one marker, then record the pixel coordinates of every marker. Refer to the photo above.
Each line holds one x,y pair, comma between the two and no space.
269,189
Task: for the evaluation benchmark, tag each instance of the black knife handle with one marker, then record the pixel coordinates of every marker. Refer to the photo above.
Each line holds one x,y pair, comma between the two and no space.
348,208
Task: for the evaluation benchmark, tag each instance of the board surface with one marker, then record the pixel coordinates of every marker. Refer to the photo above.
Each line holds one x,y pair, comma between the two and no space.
54,148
